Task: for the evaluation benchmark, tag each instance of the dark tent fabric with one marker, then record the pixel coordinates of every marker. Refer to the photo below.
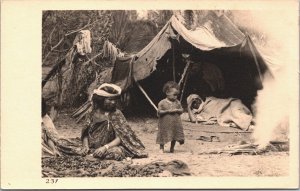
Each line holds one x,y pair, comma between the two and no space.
225,61
122,72
203,39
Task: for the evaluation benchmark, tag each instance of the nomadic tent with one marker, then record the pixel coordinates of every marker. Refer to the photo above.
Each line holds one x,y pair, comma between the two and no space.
222,62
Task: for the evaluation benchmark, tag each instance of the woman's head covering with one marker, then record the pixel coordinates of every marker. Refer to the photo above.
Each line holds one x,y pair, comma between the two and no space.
108,90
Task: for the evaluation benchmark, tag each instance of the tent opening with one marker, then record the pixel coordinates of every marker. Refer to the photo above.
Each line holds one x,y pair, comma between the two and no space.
223,73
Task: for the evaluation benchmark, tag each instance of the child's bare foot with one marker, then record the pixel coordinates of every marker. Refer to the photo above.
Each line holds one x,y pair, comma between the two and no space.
161,148
171,150
172,146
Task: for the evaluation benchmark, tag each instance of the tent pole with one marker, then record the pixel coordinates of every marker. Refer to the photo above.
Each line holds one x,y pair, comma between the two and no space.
184,73
145,94
184,83
173,63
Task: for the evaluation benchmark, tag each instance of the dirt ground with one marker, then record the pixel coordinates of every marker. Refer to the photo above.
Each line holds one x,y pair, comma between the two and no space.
267,164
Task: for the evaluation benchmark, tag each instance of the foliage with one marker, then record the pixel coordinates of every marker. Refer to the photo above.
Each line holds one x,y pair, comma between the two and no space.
121,27
59,29
130,34
189,18
119,30
159,17
139,34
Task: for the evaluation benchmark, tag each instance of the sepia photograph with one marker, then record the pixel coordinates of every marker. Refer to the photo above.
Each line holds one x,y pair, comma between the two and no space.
160,93
153,95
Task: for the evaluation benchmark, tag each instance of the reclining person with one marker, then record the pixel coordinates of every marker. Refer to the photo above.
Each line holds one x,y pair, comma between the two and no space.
229,112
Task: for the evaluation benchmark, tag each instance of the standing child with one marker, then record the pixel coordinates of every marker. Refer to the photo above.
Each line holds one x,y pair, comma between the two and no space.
169,123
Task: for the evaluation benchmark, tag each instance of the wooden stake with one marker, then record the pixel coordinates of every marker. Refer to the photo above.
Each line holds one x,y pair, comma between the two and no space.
45,148
145,94
82,108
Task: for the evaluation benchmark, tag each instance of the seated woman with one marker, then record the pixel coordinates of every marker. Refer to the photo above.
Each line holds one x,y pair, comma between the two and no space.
52,143
107,134
229,112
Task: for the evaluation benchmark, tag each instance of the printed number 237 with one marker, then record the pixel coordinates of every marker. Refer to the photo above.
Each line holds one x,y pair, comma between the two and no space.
51,181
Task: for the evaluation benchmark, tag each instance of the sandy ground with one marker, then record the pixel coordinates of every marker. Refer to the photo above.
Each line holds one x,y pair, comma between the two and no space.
268,164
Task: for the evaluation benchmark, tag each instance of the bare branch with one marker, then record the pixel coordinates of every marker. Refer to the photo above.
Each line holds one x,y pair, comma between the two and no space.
45,16
67,34
52,48
61,51
91,59
49,38
77,30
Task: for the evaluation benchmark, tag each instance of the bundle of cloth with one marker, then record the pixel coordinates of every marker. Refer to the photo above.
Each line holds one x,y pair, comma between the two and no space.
229,112
83,42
